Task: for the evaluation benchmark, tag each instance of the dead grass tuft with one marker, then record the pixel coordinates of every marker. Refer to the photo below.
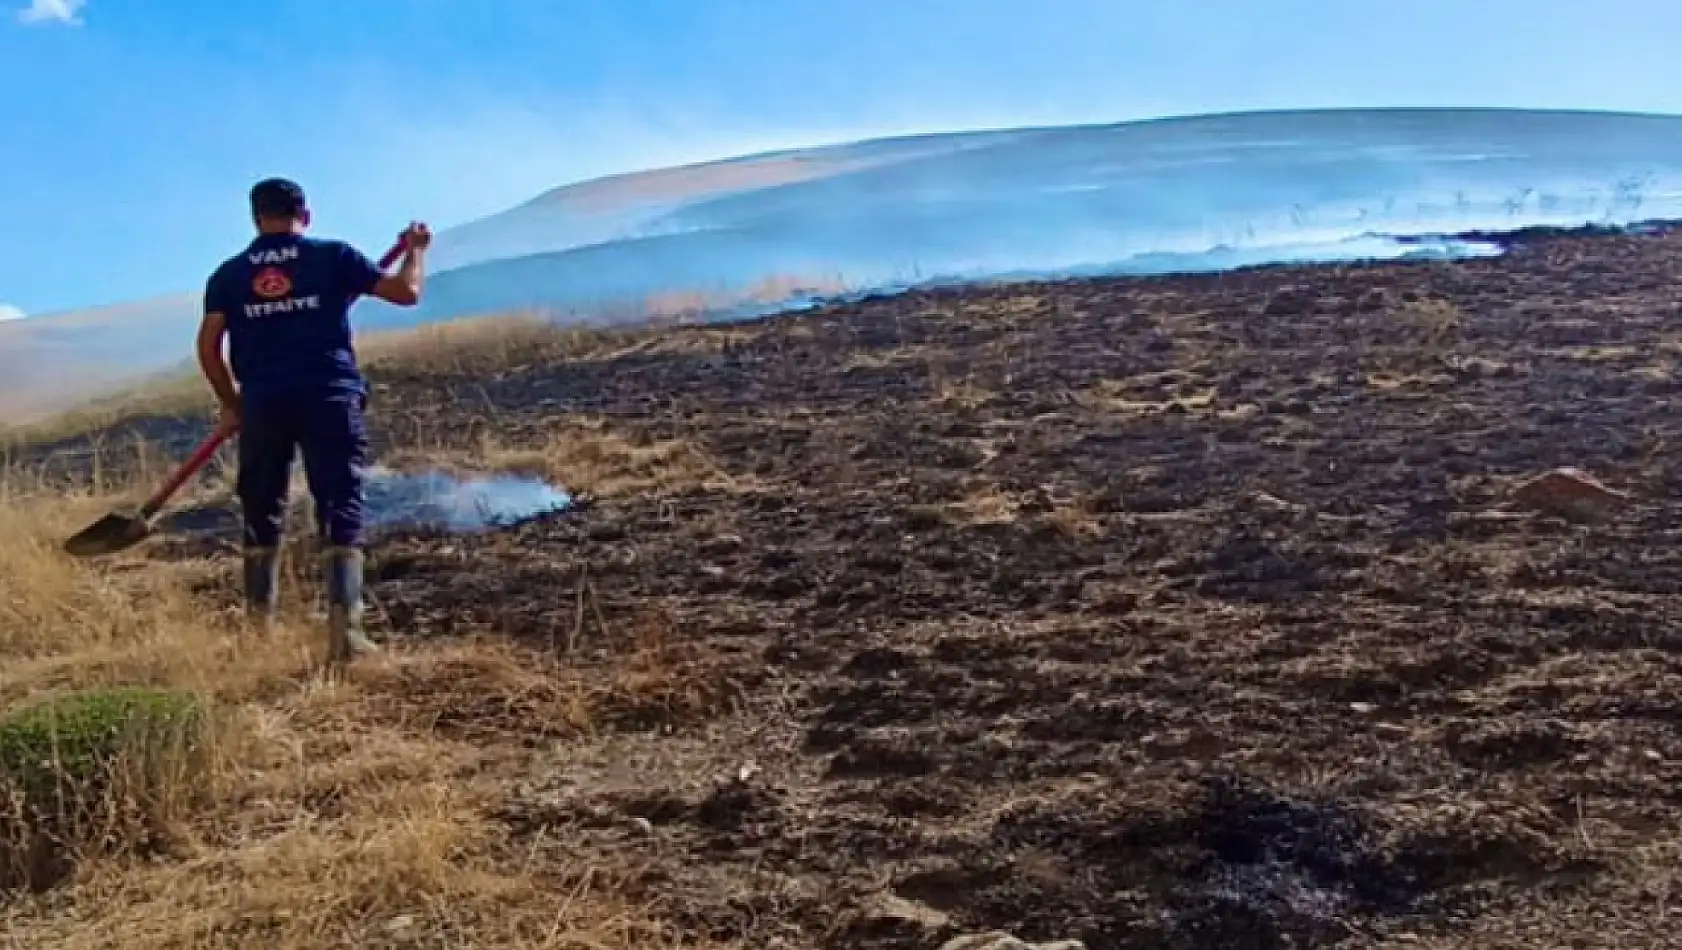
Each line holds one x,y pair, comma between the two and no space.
477,691
492,692
1075,520
984,504
410,867
478,345
665,679
595,456
1435,323
586,455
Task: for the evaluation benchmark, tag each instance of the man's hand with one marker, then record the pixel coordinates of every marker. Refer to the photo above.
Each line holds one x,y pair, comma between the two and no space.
228,421
404,287
417,236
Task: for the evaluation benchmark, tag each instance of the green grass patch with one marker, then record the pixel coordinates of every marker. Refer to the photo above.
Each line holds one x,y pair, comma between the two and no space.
99,772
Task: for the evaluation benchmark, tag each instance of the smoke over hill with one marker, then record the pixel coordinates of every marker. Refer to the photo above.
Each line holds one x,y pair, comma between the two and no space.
747,234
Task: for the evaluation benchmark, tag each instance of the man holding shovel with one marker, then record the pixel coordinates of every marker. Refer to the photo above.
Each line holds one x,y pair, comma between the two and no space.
283,303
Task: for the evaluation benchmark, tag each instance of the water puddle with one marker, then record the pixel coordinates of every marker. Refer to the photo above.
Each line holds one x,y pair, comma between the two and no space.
454,501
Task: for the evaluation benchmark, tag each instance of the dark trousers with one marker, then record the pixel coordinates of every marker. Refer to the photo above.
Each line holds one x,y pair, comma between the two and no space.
331,432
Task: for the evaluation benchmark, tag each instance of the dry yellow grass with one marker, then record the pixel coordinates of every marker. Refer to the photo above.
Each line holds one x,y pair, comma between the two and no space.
326,811
480,344
587,455
405,859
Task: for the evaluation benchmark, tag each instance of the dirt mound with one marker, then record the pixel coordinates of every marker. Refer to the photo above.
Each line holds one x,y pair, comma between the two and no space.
1568,493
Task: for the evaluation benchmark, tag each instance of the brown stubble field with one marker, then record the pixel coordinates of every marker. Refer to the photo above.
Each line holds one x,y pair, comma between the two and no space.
1186,612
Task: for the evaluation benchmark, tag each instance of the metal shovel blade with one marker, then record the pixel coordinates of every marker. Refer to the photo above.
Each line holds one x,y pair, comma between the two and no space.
110,534
123,529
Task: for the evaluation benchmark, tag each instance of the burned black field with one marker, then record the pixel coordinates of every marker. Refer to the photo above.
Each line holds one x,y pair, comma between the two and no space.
1184,612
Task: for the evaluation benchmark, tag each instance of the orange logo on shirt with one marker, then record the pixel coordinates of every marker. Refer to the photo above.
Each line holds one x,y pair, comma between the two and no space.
271,282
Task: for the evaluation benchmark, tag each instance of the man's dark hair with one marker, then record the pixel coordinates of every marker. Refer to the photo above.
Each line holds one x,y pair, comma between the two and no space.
277,198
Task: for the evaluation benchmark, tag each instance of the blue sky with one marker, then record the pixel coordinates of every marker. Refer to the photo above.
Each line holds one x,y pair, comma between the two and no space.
131,129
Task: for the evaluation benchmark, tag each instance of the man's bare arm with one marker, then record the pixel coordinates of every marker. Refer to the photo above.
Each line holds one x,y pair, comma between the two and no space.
211,361
404,287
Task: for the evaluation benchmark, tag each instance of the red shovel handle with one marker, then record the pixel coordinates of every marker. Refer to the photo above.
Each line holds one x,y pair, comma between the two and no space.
194,462
391,255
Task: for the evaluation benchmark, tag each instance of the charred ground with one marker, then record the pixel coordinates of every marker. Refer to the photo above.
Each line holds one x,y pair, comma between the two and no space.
1180,612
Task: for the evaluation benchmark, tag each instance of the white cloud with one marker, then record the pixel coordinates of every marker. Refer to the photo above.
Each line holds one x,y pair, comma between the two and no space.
9,312
67,12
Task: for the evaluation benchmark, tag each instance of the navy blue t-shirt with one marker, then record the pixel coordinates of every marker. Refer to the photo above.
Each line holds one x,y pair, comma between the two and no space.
287,301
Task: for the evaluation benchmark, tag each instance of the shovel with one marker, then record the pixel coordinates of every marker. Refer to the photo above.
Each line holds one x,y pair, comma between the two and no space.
120,529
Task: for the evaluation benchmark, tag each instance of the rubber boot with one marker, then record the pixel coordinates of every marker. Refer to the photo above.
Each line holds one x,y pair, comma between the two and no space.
262,587
345,638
